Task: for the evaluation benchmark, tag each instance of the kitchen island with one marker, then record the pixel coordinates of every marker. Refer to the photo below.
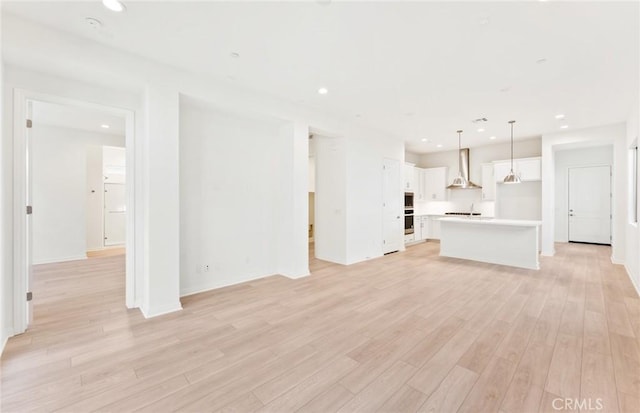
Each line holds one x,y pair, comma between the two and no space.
497,241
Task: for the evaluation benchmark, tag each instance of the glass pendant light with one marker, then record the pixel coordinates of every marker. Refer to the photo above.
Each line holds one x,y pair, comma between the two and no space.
460,181
511,178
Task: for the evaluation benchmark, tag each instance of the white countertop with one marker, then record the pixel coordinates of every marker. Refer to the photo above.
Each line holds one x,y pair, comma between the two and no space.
493,221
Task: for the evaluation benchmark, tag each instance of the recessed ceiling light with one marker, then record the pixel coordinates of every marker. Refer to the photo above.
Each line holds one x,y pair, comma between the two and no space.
424,140
235,55
439,145
323,91
560,116
492,137
480,129
114,5
564,126
105,126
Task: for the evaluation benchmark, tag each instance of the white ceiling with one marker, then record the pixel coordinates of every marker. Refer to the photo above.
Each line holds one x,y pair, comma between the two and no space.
412,69
75,117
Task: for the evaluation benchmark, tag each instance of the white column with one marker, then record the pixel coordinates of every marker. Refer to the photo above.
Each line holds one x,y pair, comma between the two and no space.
293,243
162,238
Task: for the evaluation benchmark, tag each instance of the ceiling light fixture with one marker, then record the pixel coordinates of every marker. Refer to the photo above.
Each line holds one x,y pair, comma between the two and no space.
564,126
492,137
541,61
235,55
424,139
105,126
560,116
439,145
323,91
511,178
114,5
480,129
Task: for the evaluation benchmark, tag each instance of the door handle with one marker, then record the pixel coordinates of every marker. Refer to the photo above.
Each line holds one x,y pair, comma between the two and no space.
570,215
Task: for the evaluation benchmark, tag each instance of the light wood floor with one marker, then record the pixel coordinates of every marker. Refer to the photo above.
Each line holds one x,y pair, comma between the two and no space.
407,332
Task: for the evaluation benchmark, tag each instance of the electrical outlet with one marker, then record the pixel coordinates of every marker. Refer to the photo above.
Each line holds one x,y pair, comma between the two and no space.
206,268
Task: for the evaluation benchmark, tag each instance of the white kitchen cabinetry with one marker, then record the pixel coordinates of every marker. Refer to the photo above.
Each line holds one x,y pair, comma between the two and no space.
435,184
409,177
528,169
418,180
433,227
488,182
501,169
423,228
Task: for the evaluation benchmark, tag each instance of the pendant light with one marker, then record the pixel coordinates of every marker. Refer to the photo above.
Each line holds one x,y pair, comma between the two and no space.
460,181
512,178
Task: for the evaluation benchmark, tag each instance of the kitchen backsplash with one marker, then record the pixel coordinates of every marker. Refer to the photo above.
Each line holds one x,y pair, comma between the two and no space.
459,201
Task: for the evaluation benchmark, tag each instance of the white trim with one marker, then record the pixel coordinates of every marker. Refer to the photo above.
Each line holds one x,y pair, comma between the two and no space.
4,339
60,259
635,285
20,265
162,310
297,276
203,288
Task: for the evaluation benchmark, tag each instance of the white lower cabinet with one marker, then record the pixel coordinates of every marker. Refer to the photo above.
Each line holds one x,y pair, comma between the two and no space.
423,227
408,238
434,227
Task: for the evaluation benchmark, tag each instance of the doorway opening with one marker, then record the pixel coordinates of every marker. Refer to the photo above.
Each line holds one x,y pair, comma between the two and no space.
73,172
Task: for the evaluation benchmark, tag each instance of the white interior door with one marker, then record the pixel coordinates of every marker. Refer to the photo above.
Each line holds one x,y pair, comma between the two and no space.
392,206
115,214
590,204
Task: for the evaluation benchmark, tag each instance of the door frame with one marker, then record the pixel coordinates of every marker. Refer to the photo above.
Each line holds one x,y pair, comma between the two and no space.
568,180
21,97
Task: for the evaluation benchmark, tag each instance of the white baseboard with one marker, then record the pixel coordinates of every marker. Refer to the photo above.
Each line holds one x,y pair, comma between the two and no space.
633,282
160,310
61,259
204,287
110,247
3,340
296,276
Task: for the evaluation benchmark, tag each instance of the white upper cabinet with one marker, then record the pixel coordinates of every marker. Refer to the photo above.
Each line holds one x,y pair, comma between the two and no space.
418,180
528,169
488,182
409,177
435,184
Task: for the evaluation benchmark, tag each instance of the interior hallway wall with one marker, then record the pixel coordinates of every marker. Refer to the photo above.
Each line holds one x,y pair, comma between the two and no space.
61,161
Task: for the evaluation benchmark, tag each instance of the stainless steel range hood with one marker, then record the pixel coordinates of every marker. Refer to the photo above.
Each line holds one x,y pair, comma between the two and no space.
462,181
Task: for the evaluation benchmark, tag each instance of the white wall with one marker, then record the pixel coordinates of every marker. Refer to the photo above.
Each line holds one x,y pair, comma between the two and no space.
632,261
231,186
59,166
598,136
565,159
331,199
365,155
